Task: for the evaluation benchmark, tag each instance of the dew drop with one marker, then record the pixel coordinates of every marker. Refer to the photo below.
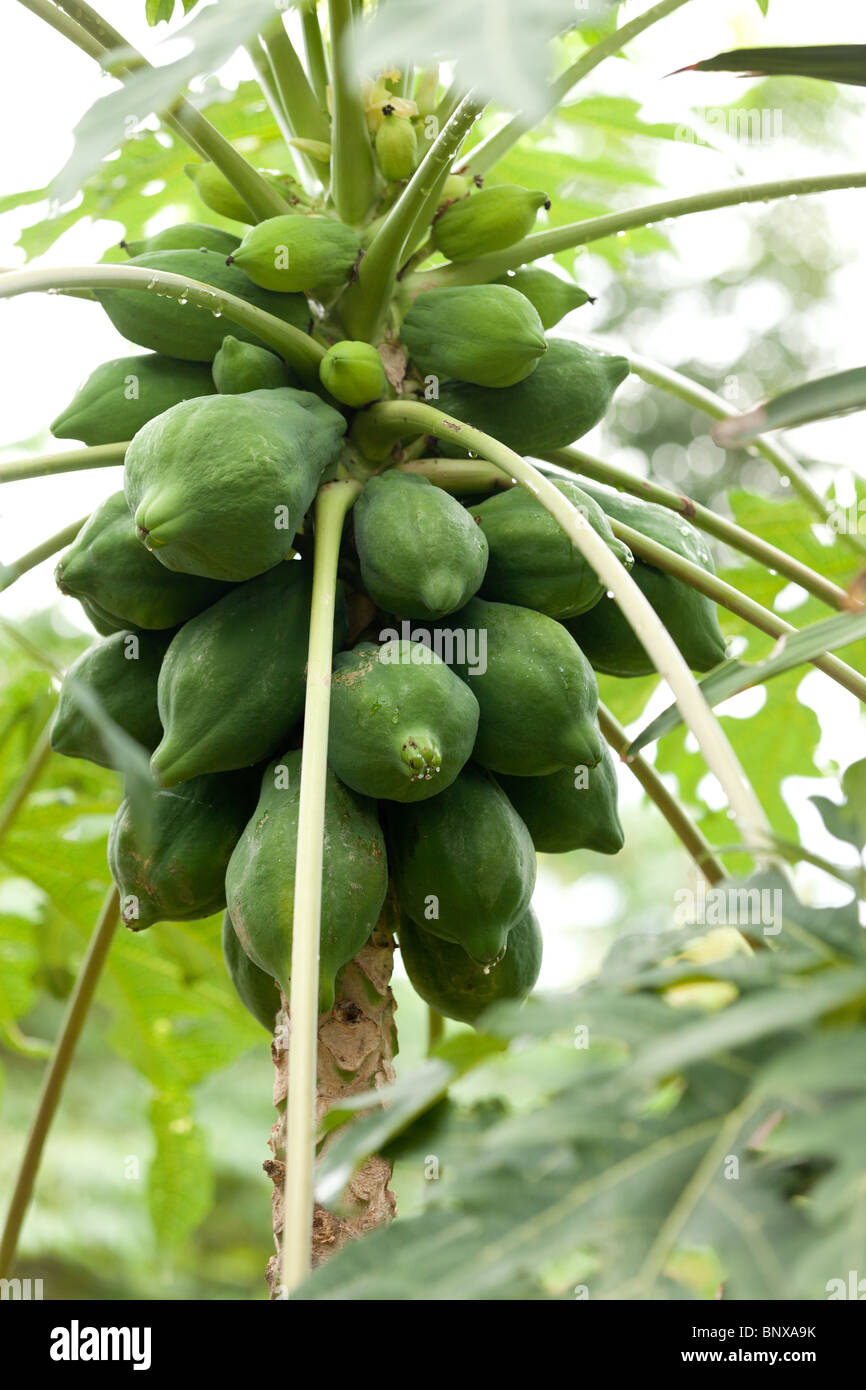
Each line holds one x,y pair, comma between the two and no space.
217,313
785,482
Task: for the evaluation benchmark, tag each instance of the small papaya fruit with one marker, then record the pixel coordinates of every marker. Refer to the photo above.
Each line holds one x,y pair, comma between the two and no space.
218,486
353,372
421,554
186,236
569,392
532,562
220,196
239,367
454,985
606,637
551,296
122,672
396,145
102,622
298,252
536,692
463,864
487,334
108,568
169,856
260,882
575,808
256,990
402,723
122,395
489,220
455,186
184,330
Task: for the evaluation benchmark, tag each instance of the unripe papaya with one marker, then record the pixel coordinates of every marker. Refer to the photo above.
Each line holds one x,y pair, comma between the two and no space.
239,367
220,196
296,252
455,186
463,864
186,236
260,883
454,985
353,372
102,622
532,562
536,692
606,637
486,334
402,723
218,486
122,395
421,554
183,330
396,145
551,296
169,855
575,808
488,220
255,989
569,392
109,571
121,672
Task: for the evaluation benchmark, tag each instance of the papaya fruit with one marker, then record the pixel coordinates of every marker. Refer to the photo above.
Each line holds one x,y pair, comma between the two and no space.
186,236
122,672
353,372
569,392
606,637
536,691
256,990
122,395
219,486
486,334
184,330
463,864
102,622
421,554
396,145
220,196
402,723
169,856
260,882
109,571
454,985
532,562
240,367
298,252
232,683
551,296
574,808
486,221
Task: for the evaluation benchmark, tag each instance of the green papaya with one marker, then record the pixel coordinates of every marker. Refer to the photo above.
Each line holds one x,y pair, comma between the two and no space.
220,196
487,221
421,554
298,252
122,395
101,621
353,372
232,683
169,856
255,989
184,330
402,723
109,571
186,236
551,296
463,864
536,692
396,145
239,367
260,882
487,334
219,486
606,637
575,808
568,393
454,985
121,672
532,562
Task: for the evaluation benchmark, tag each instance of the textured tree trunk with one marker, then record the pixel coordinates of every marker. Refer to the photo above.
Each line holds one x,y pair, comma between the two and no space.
357,1043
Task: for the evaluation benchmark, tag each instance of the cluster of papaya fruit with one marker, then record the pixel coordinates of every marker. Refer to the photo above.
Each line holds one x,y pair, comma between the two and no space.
461,742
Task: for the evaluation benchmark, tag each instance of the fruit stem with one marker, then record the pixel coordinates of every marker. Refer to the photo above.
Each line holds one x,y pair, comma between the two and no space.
43,551
353,172
70,461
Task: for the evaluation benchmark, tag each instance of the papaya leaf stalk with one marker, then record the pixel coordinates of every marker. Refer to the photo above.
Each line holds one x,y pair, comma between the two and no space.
353,172
69,461
9,573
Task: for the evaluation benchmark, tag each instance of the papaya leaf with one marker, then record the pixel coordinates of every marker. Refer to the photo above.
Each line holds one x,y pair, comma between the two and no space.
848,821
832,62
817,400
180,1186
